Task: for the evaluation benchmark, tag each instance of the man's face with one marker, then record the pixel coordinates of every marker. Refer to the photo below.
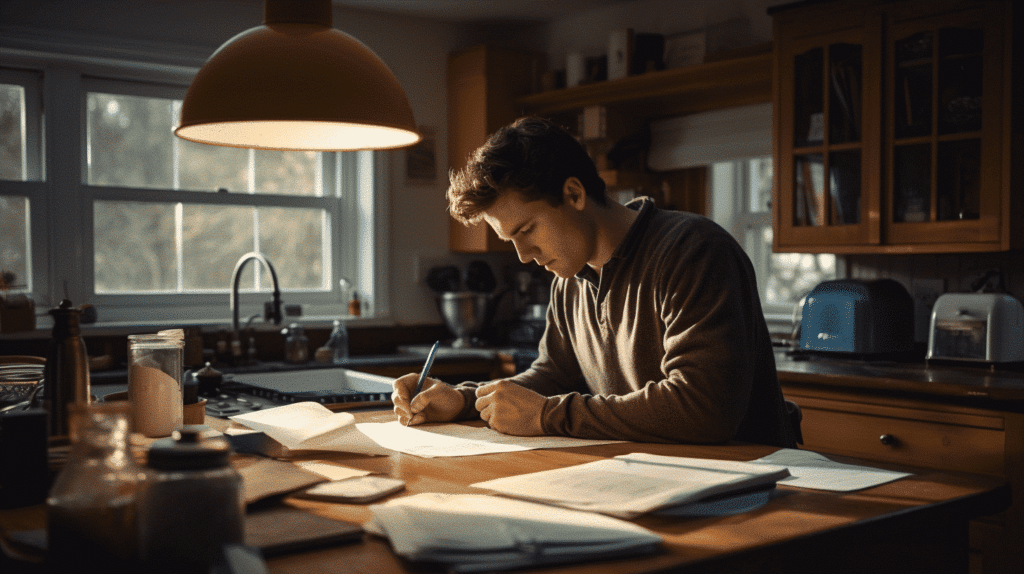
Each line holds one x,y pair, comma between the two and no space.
554,237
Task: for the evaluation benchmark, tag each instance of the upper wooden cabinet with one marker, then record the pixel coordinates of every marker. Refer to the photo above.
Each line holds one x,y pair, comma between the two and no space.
893,127
483,84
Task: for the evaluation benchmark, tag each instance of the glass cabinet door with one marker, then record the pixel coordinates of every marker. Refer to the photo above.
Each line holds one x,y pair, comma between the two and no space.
823,196
943,160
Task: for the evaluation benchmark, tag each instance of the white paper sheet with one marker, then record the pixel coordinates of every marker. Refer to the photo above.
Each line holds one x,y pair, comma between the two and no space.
433,440
310,426
474,532
632,484
816,471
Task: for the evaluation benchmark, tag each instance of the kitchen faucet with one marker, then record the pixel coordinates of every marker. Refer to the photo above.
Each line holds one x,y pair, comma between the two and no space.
271,310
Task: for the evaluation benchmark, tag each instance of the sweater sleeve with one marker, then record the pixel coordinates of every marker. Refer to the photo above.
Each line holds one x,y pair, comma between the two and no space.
709,310
554,372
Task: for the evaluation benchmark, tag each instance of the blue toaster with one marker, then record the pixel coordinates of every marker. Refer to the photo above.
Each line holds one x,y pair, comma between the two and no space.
857,316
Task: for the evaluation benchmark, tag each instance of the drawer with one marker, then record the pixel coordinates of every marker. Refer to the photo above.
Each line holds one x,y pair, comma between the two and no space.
906,439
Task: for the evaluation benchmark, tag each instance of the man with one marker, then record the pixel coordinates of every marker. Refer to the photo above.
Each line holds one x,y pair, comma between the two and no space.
654,330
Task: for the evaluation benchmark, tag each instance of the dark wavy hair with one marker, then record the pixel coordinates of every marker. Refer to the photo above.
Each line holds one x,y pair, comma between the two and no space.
533,156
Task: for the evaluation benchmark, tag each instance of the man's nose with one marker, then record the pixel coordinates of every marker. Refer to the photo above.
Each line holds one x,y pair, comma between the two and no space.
523,250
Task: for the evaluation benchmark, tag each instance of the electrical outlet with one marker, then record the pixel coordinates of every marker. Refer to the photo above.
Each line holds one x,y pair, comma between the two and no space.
925,292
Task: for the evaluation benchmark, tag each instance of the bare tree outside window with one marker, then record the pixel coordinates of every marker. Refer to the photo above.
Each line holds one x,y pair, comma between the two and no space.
167,246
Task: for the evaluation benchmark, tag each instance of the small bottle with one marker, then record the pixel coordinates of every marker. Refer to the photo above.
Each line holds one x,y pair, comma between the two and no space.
66,373
354,306
338,342
91,506
190,504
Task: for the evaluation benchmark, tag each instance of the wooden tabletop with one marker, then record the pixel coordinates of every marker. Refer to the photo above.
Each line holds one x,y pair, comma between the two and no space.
922,517
792,521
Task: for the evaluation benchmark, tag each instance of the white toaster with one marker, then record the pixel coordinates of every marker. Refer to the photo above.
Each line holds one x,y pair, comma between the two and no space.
983,327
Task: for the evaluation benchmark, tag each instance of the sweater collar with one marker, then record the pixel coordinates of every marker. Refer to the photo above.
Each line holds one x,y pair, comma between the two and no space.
628,245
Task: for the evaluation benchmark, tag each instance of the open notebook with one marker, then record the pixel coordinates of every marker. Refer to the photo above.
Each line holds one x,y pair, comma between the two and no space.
633,484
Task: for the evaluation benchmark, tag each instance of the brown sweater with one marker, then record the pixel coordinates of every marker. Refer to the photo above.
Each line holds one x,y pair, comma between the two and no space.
667,344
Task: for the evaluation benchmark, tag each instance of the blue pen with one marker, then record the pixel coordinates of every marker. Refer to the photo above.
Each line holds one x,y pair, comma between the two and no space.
426,371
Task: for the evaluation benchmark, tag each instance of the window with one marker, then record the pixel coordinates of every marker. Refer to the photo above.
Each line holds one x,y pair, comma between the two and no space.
148,227
741,202
184,246
20,176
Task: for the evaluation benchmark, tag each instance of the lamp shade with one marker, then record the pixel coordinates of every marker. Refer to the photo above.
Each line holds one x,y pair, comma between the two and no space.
296,83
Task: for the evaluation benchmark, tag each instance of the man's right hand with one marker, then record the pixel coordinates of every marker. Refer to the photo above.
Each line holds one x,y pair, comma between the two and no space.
437,402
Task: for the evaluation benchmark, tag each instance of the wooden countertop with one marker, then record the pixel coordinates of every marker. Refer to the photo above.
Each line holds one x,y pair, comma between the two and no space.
999,387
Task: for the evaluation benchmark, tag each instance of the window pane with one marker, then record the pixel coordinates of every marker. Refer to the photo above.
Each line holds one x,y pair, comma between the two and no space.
14,241
130,141
204,167
790,276
286,172
760,172
292,239
12,132
134,247
213,238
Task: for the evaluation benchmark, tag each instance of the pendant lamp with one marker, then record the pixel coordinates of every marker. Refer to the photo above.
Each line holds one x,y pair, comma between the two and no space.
296,83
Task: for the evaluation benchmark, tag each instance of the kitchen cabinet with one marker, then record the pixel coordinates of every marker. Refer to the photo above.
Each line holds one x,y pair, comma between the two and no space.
483,84
893,127
867,411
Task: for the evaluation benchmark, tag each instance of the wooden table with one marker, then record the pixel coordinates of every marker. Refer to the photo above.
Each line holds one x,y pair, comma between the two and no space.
917,524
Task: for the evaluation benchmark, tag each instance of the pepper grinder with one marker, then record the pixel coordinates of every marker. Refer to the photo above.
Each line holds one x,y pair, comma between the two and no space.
66,375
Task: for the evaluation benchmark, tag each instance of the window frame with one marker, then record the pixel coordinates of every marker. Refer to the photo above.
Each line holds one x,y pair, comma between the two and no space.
33,185
62,259
734,214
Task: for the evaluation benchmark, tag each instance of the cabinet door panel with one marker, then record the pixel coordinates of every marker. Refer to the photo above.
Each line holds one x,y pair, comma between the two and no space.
827,172
945,136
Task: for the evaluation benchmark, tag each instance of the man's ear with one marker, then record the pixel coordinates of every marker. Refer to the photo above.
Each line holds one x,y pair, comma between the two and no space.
574,194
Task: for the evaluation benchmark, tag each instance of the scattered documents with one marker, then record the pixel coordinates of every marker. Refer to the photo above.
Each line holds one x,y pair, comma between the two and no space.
633,484
481,533
310,426
812,470
433,440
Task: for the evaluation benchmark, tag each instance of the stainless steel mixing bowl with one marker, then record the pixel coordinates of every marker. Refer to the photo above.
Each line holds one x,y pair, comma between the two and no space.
466,313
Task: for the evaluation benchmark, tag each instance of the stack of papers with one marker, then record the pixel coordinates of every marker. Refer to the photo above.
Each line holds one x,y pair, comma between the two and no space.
311,426
633,484
481,533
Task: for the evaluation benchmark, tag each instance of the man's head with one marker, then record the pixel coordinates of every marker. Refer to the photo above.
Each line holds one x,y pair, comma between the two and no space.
532,156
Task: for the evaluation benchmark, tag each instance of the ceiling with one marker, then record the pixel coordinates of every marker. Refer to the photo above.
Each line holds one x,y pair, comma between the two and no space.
481,10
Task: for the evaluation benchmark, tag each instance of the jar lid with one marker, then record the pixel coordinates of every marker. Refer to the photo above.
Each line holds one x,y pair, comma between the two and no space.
192,447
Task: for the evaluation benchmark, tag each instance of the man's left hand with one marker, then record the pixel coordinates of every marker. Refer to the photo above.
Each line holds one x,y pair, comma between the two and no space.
510,408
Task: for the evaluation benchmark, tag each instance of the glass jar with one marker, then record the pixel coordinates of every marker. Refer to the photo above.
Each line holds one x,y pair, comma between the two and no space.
91,506
190,504
296,344
155,375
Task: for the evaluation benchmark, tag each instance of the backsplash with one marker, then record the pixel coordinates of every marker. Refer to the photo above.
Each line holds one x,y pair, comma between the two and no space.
959,271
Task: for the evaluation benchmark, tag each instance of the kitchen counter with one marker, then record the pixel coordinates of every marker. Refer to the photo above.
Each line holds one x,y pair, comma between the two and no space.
965,384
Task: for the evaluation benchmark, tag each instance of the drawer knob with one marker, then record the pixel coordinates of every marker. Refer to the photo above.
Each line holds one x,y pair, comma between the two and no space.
887,439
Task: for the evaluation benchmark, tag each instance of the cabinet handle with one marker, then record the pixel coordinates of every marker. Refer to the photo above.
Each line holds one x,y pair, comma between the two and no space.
888,439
